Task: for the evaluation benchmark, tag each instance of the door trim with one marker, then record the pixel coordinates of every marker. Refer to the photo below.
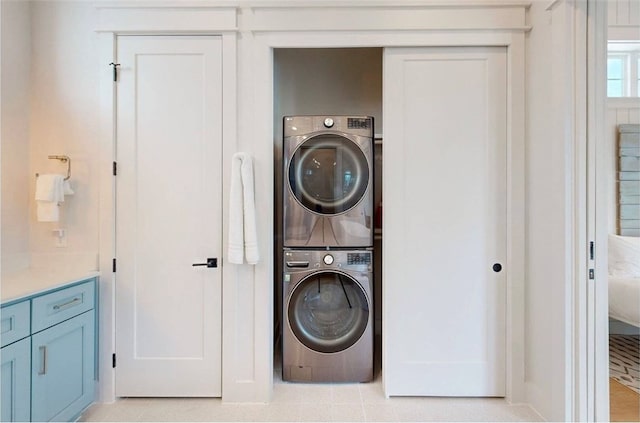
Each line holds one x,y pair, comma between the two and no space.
262,51
597,324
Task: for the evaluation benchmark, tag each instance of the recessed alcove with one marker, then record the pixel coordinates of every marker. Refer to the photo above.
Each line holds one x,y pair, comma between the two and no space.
326,81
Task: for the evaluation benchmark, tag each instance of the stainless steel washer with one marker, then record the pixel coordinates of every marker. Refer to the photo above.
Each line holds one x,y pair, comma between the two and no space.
328,179
327,329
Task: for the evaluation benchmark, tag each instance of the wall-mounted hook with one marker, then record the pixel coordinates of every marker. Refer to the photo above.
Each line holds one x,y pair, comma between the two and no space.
115,70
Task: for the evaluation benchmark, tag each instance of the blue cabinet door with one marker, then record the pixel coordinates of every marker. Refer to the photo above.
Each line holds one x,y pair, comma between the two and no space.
62,370
16,381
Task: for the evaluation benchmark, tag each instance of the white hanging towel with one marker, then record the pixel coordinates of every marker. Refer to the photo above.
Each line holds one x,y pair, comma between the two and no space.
49,194
67,188
243,236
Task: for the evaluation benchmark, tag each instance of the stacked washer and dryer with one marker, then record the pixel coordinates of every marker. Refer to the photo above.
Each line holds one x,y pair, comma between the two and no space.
327,333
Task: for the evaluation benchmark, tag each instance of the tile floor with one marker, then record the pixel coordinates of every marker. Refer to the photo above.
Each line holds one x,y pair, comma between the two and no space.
314,402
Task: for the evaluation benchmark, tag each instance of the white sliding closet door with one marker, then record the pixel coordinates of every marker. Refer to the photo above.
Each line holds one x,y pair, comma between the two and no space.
169,216
444,193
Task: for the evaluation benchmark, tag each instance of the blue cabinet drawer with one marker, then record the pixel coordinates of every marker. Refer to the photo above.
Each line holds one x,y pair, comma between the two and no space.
15,322
59,306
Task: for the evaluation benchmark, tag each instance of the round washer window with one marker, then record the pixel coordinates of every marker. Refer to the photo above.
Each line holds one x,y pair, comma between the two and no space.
328,312
328,174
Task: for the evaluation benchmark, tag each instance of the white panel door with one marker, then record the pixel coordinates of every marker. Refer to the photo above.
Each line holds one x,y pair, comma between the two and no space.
169,216
444,193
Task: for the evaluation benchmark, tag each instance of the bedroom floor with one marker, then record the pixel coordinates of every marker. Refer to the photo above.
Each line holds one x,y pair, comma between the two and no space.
624,360
624,372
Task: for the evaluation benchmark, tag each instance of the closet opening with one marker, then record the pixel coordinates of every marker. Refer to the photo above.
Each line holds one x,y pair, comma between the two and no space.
329,82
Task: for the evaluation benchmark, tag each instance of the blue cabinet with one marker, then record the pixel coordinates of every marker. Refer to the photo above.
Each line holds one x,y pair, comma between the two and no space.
62,369
48,354
16,381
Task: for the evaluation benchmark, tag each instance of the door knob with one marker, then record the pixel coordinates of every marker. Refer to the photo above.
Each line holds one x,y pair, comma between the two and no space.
497,267
211,262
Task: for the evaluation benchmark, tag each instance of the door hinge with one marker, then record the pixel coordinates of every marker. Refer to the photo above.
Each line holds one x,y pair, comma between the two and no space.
113,360
113,267
591,250
115,168
592,274
115,71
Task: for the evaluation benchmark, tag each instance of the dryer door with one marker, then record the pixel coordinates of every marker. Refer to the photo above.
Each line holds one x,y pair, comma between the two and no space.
328,174
328,311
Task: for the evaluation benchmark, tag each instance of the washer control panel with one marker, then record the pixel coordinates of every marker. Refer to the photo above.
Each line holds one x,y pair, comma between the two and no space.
358,258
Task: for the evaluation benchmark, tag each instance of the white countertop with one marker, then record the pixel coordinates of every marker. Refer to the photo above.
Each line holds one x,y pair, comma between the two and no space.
28,282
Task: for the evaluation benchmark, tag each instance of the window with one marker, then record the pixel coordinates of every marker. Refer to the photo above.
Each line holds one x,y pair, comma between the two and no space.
623,63
616,75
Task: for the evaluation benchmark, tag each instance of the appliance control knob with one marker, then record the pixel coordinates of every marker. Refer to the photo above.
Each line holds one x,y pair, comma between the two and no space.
328,259
328,122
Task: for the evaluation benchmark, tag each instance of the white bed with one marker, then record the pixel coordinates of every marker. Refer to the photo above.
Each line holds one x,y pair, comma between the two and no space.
624,279
624,299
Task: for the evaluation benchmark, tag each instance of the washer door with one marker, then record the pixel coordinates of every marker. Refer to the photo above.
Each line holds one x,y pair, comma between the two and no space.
328,174
328,311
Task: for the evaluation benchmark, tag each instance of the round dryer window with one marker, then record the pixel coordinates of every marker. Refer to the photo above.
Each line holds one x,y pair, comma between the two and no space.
328,174
328,311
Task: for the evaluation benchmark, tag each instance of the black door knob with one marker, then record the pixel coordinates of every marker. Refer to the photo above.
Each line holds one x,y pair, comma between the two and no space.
497,267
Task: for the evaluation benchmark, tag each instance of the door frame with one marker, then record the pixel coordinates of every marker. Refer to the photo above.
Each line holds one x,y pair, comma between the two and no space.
514,41
588,370
597,191
113,22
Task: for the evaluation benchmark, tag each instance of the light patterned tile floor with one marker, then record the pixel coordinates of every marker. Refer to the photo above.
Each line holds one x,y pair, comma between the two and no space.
313,403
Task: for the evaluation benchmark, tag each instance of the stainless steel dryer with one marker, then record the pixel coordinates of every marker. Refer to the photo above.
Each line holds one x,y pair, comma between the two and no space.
327,333
328,181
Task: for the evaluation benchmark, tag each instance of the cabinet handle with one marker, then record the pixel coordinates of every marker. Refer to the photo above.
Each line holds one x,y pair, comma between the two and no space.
43,360
67,304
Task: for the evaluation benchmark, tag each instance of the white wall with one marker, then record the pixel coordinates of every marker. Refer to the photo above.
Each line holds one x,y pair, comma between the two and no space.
539,230
16,175
624,19
548,232
49,107
64,108
623,12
